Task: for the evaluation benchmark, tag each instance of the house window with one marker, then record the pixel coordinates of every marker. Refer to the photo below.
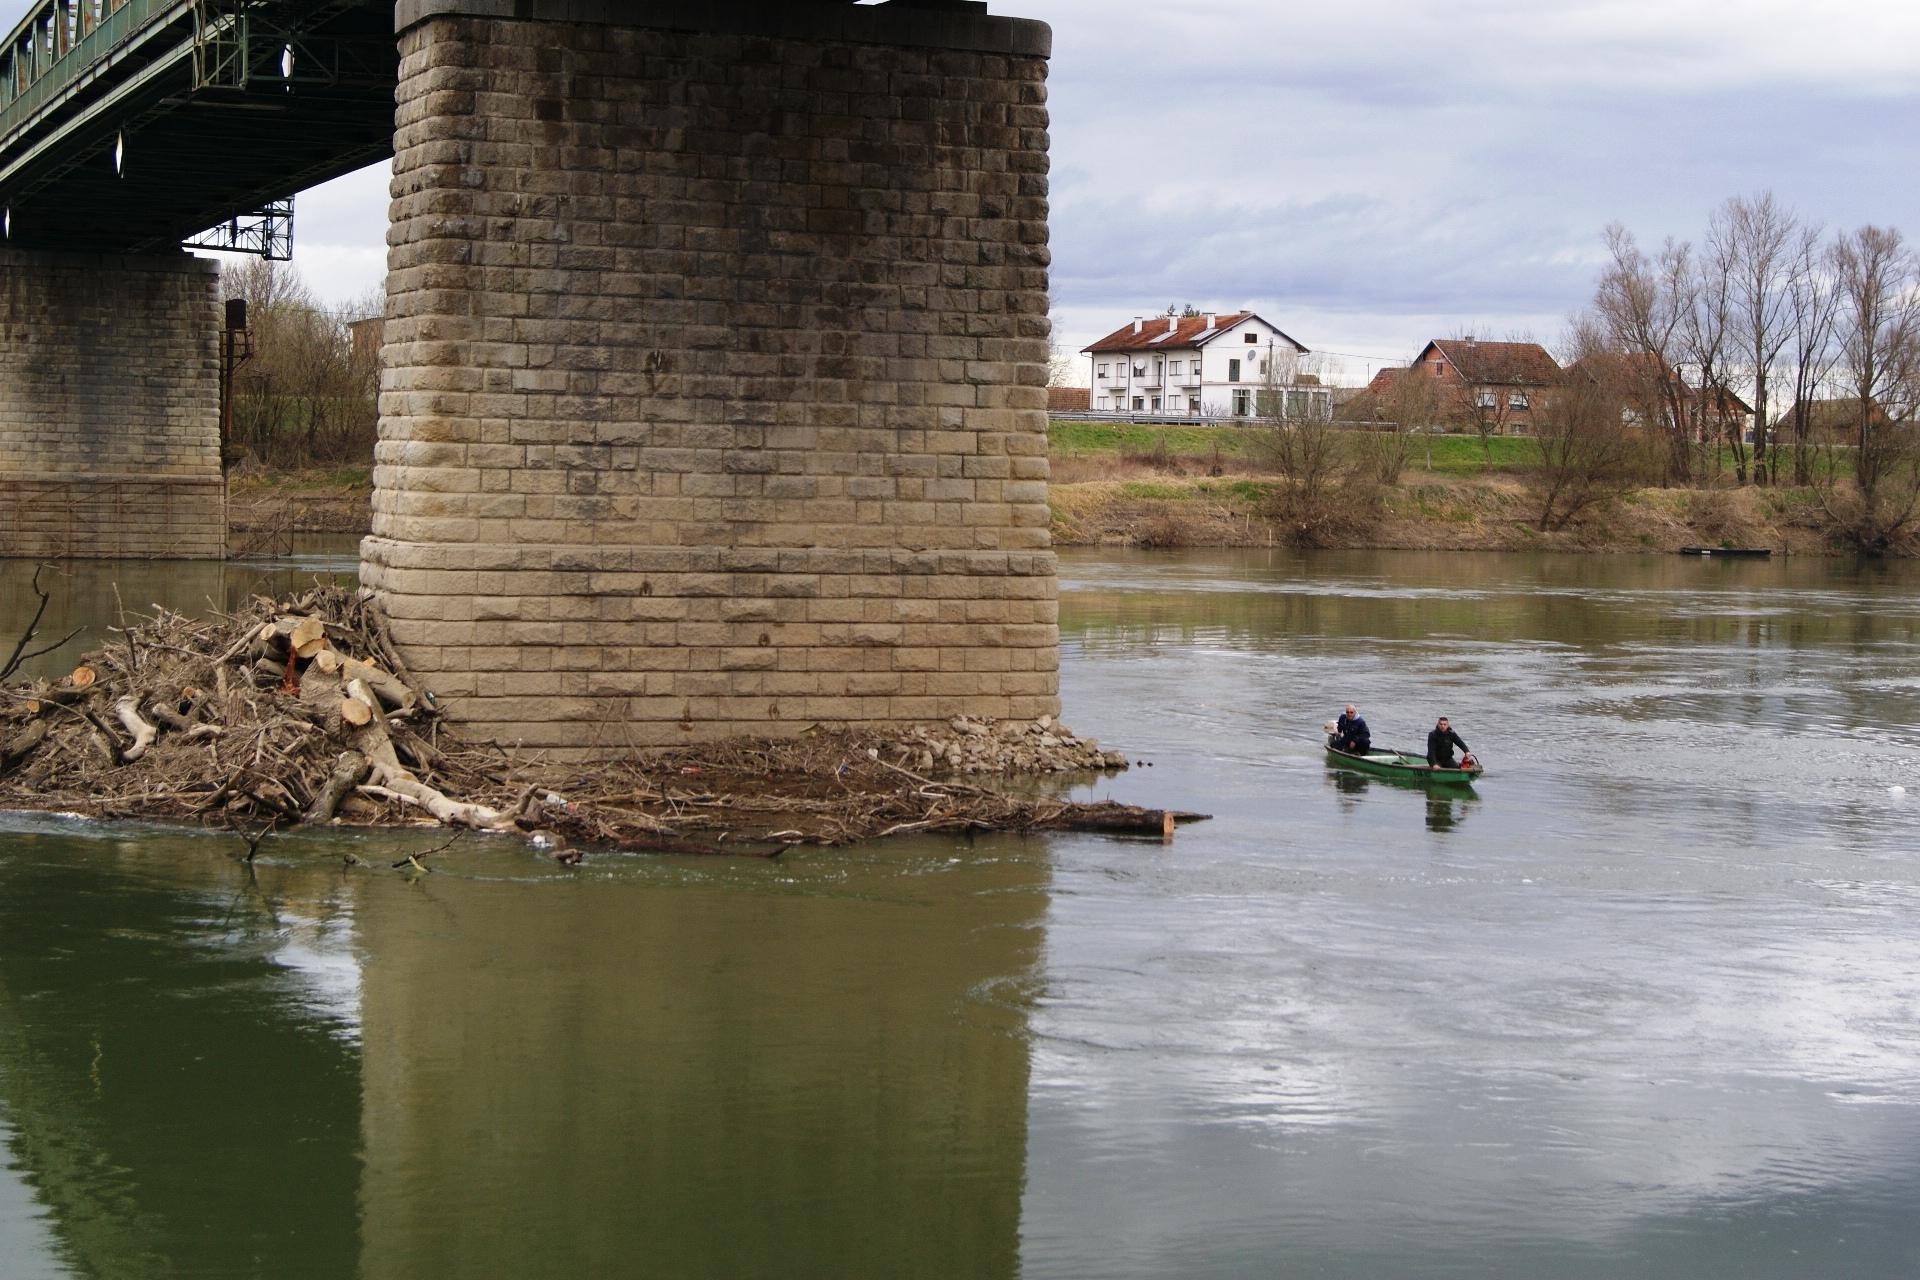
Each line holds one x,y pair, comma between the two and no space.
1103,402
1252,338
1139,371
1233,371
1436,368
1516,400
1174,368
1485,400
1242,403
1193,404
1139,403
1101,372
1156,404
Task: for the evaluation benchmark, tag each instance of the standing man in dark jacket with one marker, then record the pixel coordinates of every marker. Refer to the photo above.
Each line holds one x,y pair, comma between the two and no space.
1350,733
1440,744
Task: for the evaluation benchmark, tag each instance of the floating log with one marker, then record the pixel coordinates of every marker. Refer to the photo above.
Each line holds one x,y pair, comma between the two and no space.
1117,819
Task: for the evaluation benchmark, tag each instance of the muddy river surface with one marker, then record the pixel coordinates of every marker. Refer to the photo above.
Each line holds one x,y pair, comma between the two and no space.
1645,1002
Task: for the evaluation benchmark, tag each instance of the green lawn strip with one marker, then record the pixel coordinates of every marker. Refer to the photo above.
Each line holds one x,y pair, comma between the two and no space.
1088,439
1452,454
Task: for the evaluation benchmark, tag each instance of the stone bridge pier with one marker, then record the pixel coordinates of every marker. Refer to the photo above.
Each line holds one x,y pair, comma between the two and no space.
714,368
109,406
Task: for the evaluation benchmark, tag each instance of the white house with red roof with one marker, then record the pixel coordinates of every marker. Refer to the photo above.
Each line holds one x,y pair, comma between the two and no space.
1210,365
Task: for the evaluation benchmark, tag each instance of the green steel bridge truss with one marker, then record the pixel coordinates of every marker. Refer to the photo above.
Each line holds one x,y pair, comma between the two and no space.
140,125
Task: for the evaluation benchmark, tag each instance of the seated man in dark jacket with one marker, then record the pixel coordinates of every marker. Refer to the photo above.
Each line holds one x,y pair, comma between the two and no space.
1350,733
1440,744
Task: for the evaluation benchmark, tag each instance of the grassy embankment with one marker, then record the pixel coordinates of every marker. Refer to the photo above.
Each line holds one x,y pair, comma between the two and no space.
1136,485
265,504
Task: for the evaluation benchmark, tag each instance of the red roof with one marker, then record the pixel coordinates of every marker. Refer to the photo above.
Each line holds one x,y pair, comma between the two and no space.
1524,364
1643,366
1188,331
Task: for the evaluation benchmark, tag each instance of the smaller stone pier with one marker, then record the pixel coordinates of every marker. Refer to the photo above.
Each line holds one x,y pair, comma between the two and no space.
110,407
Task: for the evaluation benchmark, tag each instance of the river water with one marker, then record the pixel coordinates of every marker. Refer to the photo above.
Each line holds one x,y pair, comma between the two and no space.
1645,1002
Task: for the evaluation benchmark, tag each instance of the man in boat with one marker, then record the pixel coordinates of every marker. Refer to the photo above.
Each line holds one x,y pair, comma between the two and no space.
1441,741
1350,733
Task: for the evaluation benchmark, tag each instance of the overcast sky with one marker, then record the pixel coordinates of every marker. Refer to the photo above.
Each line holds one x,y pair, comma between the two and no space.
1368,176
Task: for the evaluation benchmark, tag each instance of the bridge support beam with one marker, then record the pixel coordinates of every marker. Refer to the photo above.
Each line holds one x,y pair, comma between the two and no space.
110,407
714,378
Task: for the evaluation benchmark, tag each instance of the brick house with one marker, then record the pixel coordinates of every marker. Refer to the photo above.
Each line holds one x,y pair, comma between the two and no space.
1499,387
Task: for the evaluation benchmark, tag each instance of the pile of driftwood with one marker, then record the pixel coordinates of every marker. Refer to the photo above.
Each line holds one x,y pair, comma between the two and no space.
301,711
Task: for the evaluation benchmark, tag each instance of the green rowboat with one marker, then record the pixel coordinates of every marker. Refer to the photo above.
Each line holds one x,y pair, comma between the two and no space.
1401,766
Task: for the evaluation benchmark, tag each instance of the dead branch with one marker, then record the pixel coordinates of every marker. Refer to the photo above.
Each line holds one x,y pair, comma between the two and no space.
20,654
143,731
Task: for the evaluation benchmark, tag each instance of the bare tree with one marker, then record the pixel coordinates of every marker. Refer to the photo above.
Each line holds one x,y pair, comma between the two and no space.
1588,454
1877,278
308,395
1408,407
1063,369
1641,306
1810,351
1312,460
1759,237
1703,284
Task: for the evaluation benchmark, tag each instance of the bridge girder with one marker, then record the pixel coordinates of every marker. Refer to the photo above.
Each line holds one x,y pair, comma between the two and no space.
135,140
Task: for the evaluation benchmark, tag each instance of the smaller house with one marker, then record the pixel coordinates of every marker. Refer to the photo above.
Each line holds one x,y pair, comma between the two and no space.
1069,399
1830,421
366,336
1206,365
1383,381
1717,413
1650,391
1496,387
1375,402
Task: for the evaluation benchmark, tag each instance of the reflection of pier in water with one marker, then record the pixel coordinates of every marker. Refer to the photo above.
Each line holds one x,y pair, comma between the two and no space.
148,1041
708,1076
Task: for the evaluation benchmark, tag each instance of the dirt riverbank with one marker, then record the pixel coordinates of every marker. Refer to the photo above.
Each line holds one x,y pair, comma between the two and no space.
1430,512
1141,502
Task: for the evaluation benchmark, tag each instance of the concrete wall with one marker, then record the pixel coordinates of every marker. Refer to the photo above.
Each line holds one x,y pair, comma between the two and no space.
714,395
109,407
